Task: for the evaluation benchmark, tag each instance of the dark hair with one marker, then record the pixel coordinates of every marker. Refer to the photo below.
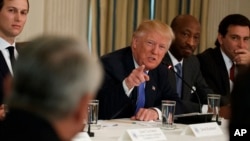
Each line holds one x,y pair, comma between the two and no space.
233,19
2,3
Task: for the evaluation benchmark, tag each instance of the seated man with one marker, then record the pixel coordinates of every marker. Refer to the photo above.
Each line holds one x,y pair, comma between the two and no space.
55,78
219,65
135,80
190,84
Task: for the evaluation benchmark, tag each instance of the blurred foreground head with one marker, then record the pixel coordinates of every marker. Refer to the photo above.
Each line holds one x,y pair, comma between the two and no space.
55,77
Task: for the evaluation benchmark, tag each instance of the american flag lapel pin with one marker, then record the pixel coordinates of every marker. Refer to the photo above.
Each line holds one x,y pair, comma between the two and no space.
153,88
193,89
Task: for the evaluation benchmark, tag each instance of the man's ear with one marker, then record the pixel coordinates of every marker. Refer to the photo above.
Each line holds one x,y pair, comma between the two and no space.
134,42
220,37
7,85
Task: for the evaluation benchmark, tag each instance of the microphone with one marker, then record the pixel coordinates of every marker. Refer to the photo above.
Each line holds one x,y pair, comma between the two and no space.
119,112
193,89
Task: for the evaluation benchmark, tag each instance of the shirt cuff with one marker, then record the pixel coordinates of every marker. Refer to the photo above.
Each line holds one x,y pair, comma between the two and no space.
159,113
126,90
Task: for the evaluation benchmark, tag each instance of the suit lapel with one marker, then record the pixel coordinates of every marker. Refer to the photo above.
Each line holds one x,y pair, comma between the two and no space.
171,75
222,69
128,62
151,89
187,70
4,68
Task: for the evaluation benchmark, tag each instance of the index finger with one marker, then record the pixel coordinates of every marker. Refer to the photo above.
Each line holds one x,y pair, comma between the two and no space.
141,68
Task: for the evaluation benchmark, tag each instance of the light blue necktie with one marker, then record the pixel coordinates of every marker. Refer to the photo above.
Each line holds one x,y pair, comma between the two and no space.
178,79
141,97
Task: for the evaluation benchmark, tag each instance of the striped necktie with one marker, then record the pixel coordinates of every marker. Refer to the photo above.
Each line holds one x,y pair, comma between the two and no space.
178,79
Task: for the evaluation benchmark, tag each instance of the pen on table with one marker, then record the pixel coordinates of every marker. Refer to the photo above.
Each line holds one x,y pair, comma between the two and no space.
110,125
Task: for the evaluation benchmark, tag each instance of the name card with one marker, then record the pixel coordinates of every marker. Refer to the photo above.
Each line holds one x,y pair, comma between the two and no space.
82,136
204,129
143,134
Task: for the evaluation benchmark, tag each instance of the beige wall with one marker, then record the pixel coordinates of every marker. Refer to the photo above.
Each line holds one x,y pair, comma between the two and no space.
70,17
218,9
34,25
65,17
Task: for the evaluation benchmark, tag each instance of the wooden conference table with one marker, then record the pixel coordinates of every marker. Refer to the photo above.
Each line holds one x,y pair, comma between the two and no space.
112,130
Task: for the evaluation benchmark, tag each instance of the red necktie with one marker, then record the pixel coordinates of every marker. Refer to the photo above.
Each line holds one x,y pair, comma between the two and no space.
231,75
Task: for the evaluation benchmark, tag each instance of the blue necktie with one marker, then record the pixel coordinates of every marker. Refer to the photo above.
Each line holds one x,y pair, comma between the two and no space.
141,97
178,79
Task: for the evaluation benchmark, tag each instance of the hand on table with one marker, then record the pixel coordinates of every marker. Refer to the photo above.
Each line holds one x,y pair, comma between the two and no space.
145,115
225,111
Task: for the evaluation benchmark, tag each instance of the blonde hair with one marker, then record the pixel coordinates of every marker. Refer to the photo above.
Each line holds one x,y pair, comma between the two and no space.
149,26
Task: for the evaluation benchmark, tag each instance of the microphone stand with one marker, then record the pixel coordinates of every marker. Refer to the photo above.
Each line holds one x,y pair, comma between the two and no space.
193,90
91,134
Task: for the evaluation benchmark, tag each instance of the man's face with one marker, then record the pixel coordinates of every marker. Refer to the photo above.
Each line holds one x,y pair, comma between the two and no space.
150,48
13,16
187,36
237,37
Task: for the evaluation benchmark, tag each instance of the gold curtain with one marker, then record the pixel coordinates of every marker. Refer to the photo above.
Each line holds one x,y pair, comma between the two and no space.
166,10
113,21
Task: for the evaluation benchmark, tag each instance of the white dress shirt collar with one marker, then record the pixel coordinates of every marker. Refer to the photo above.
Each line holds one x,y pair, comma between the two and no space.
174,60
227,60
4,44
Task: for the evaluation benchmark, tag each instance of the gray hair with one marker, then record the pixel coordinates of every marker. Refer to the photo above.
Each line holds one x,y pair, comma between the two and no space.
52,74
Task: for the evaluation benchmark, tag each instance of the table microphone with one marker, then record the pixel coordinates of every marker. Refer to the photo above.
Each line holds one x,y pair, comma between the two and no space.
193,90
119,111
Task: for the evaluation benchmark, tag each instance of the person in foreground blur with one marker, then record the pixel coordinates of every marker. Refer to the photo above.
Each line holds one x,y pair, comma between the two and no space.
219,65
138,65
240,107
55,78
187,36
13,15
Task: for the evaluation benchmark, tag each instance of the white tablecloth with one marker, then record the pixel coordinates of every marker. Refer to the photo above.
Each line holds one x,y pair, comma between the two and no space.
111,130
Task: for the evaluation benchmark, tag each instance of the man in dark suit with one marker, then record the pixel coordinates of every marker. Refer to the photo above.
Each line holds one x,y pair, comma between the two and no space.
230,55
49,100
187,34
128,68
13,15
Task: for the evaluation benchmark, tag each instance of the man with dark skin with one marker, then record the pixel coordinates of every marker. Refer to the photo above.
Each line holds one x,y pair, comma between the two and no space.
187,31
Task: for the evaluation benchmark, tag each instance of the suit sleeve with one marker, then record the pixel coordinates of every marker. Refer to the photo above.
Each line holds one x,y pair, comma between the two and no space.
113,102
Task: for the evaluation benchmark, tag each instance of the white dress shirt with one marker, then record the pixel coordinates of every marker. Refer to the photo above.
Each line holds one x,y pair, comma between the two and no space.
229,64
3,48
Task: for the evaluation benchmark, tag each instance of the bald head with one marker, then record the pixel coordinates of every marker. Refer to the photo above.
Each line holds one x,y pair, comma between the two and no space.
183,20
187,32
